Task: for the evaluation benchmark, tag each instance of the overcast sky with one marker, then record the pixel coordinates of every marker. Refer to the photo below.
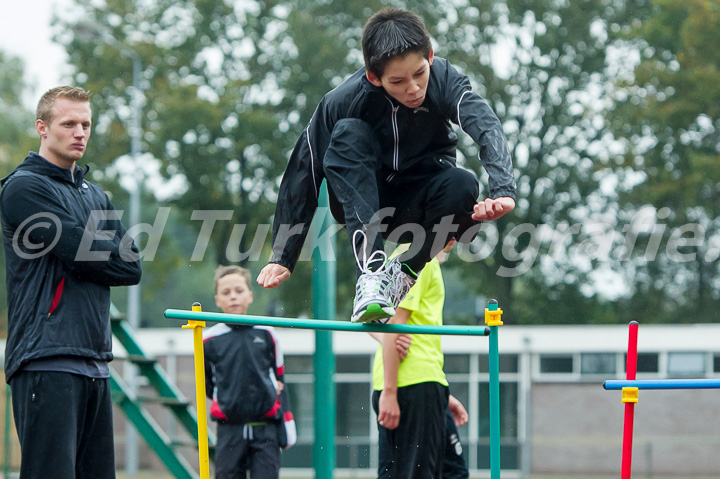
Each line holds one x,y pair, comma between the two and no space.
25,33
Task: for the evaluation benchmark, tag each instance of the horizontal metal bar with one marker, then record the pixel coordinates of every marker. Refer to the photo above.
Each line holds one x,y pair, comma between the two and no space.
663,384
327,325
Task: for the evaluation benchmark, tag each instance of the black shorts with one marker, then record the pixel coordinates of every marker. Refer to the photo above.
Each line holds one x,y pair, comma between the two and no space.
415,449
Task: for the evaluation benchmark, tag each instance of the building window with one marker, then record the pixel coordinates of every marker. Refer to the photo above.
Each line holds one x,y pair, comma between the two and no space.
556,364
716,363
509,449
457,363
353,363
507,363
301,402
353,409
686,364
597,363
646,363
353,425
298,364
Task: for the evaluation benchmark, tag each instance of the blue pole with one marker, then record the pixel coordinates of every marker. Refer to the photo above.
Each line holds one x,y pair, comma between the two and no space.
663,384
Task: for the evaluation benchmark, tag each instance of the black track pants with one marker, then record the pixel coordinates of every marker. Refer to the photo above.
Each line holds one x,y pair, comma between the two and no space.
242,448
64,423
426,206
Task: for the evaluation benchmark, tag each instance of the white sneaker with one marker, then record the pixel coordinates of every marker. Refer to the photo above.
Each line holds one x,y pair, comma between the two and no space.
372,298
402,282
374,289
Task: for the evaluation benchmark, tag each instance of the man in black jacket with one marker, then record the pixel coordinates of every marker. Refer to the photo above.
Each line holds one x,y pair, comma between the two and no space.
64,248
383,141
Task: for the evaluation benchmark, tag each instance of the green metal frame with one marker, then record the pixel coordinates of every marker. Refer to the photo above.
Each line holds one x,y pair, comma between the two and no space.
328,325
324,292
494,386
327,465
168,395
324,281
149,429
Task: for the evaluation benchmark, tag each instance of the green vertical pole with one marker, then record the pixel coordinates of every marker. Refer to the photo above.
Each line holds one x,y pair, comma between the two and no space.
492,319
324,275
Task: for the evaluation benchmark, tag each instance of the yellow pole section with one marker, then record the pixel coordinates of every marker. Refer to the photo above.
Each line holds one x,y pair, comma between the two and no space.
203,453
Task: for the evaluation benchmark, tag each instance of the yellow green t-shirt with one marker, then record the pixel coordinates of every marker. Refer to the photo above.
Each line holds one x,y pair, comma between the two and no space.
424,361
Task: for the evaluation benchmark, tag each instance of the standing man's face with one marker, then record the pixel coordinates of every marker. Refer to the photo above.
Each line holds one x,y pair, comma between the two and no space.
64,140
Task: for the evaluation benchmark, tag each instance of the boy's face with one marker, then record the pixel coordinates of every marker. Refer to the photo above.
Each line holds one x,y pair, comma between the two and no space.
442,256
233,295
405,79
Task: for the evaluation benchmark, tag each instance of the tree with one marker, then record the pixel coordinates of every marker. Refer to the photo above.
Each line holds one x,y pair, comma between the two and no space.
542,66
17,137
546,68
226,93
228,88
671,119
208,119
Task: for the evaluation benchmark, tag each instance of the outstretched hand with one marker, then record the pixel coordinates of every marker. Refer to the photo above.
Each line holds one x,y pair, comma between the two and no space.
272,275
493,209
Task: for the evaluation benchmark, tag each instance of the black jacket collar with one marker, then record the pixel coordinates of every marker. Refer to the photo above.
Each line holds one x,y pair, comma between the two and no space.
39,165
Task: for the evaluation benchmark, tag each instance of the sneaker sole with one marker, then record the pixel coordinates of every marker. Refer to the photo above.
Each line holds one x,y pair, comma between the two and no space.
374,313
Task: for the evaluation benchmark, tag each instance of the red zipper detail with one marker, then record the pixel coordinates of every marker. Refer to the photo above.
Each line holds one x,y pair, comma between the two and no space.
58,295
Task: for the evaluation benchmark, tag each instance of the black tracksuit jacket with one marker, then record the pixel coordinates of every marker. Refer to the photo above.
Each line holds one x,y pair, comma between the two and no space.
243,365
61,260
409,140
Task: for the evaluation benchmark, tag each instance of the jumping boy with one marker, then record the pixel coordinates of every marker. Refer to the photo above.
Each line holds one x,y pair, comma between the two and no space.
384,143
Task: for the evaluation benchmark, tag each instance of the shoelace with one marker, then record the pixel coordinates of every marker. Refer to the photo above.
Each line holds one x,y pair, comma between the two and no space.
371,283
367,261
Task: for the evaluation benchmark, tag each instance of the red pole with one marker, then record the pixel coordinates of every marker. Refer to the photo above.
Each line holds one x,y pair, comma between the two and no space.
629,398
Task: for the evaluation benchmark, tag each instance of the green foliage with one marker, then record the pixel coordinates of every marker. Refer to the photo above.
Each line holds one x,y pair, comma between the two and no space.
672,124
17,137
543,66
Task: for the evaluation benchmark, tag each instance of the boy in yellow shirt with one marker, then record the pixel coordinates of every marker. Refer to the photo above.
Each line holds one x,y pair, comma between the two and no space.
410,393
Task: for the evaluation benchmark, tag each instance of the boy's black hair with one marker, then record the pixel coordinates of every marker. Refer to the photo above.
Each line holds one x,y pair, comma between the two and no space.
392,33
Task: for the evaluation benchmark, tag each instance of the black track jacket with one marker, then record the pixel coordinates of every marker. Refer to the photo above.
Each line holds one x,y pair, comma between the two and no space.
243,365
409,138
60,259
